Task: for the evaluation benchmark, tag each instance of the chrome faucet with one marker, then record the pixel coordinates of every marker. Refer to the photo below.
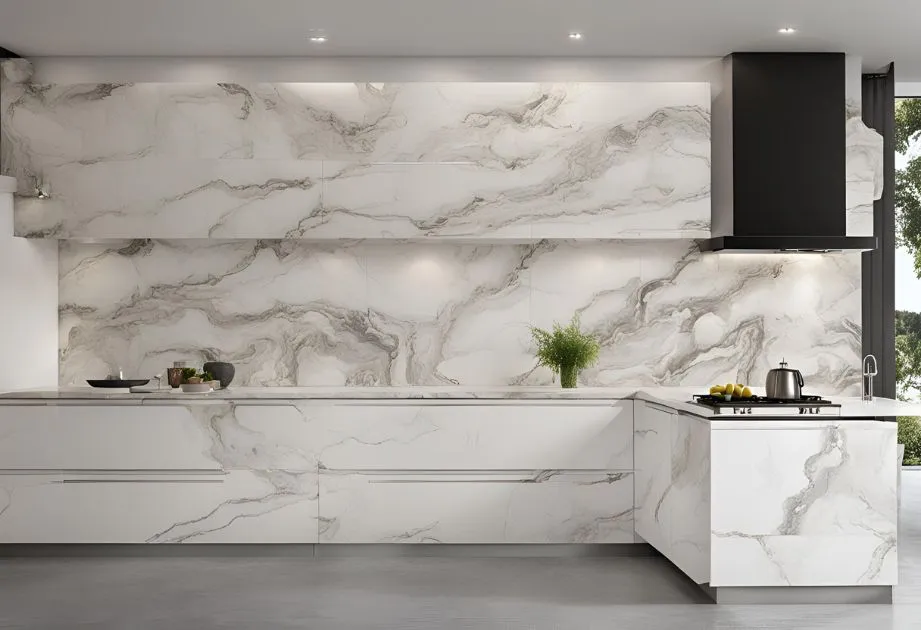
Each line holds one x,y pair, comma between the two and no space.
868,374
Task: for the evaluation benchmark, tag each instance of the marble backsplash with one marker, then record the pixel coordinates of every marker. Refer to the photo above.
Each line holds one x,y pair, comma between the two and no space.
408,313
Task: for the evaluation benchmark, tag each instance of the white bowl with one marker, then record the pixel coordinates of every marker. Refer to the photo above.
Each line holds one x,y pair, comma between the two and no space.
196,388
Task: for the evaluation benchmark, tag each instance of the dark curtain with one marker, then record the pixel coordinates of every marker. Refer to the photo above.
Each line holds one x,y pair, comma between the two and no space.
879,265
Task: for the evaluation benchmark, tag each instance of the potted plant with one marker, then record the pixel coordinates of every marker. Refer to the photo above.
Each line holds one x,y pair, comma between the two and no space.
565,350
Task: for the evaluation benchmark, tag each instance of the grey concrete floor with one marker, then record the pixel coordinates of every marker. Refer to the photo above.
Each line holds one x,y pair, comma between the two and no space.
414,593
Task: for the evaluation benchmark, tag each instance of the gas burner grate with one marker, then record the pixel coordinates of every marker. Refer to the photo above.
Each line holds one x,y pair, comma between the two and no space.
757,401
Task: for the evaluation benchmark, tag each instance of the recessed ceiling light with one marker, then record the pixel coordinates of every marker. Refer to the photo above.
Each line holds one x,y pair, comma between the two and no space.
575,35
786,30
318,39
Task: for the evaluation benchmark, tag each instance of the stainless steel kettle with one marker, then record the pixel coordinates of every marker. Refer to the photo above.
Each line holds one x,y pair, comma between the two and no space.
784,383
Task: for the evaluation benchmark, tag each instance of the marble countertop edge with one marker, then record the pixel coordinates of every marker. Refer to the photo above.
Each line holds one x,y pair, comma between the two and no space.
270,395
677,398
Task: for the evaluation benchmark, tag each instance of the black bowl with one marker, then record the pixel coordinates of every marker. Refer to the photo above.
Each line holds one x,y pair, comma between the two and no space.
115,383
221,370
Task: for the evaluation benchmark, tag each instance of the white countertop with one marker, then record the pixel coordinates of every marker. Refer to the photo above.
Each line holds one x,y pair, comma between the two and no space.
65,394
678,398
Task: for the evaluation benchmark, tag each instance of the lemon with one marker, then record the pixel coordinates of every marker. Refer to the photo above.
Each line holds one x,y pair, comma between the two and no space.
737,391
746,392
729,389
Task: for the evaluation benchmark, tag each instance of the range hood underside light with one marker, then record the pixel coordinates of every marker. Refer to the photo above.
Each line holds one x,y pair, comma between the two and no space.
788,244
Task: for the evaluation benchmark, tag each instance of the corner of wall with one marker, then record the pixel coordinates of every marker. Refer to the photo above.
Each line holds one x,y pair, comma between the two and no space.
29,294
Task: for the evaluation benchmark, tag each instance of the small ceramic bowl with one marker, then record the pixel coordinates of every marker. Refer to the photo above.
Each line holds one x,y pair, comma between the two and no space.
196,388
727,397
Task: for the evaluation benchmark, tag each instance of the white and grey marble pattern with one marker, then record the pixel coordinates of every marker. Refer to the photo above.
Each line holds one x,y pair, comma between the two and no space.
864,176
820,506
293,313
525,507
672,496
318,161
105,507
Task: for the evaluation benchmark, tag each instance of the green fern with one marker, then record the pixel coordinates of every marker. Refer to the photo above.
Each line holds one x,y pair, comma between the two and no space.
566,350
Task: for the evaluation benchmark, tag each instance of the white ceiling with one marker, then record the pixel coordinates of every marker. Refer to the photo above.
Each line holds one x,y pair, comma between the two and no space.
878,30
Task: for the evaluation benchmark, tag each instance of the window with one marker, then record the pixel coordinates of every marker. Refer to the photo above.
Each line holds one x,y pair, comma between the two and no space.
908,247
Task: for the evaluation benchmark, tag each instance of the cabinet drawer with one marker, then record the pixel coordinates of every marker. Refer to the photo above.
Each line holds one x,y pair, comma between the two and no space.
518,507
103,437
477,437
240,507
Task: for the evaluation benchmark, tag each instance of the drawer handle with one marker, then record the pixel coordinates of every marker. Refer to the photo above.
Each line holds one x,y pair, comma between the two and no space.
113,471
117,480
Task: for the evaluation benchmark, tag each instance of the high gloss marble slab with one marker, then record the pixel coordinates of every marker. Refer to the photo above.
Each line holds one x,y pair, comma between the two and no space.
525,507
397,314
411,436
318,161
672,497
107,507
228,472
805,507
864,175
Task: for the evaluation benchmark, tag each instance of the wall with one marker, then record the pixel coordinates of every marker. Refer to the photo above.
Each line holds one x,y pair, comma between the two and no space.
341,160
64,70
292,311
29,298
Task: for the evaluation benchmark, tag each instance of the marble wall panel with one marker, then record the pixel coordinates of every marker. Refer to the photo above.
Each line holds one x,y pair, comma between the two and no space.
291,312
864,176
826,508
318,161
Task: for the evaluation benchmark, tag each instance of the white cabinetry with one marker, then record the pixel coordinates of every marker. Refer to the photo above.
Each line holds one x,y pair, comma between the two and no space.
113,507
673,486
161,473
305,471
477,436
477,473
543,507
102,437
805,506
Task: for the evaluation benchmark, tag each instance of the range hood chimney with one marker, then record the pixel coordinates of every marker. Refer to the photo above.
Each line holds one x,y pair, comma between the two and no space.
778,155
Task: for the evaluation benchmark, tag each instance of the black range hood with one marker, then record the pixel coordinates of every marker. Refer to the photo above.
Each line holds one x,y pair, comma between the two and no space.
778,155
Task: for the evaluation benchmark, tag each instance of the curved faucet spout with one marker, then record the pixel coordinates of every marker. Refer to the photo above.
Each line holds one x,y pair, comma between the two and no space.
870,370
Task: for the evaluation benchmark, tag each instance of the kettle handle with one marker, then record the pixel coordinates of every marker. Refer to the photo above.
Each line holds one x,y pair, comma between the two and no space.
799,378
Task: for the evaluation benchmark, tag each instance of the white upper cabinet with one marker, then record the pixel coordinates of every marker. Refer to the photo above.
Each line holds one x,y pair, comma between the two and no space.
512,161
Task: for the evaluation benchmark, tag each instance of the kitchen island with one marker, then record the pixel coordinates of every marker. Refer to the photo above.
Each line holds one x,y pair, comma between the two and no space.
736,504
747,504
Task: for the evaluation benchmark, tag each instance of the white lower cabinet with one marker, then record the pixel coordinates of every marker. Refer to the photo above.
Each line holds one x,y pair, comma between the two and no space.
476,436
673,487
317,471
30,508
507,507
113,437
239,507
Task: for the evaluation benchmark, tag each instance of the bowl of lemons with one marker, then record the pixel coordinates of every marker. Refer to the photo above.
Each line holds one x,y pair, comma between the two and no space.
731,390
